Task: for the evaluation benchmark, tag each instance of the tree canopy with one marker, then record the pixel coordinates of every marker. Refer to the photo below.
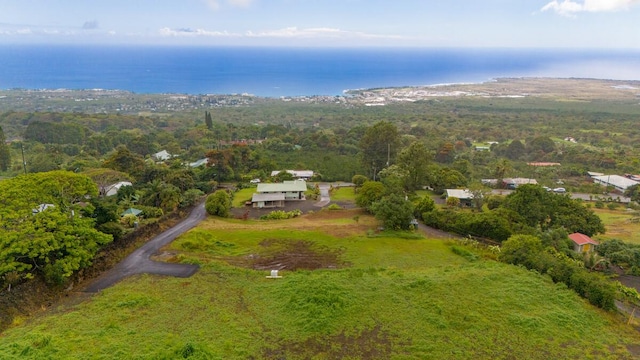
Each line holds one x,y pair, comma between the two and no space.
43,231
379,145
545,210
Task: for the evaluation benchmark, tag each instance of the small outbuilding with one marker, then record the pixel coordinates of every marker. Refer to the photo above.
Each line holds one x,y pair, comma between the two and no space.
582,243
131,211
112,189
464,195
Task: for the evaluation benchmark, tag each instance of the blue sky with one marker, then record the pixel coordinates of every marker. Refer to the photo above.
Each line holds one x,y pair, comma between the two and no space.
336,23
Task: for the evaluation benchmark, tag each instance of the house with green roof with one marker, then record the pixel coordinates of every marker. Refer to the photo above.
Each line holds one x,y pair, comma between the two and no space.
275,195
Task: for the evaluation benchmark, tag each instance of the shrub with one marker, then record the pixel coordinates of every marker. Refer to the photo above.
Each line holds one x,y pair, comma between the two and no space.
334,207
281,215
494,202
150,211
190,197
218,203
112,228
425,204
453,201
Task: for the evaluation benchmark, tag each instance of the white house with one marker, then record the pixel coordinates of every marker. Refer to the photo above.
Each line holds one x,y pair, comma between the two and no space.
199,163
112,189
261,201
275,195
162,156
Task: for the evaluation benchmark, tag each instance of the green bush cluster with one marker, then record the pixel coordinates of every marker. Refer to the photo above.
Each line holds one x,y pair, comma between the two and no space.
528,251
281,215
622,254
485,224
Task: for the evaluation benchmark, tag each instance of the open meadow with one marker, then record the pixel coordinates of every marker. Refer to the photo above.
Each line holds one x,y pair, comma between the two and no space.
620,224
346,292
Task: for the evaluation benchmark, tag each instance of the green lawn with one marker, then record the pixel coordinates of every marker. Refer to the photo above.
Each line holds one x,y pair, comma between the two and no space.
343,194
241,196
618,225
391,298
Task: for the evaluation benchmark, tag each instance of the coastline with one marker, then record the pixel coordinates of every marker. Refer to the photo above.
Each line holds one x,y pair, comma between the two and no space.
123,101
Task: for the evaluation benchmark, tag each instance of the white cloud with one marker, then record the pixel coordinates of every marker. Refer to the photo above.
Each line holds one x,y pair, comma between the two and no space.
215,4
294,32
240,3
571,7
288,33
185,32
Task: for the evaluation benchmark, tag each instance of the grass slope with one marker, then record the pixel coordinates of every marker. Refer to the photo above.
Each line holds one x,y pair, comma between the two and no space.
398,298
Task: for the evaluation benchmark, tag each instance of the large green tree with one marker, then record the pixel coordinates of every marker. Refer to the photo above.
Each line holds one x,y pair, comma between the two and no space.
125,161
379,146
545,210
370,192
43,239
415,159
394,211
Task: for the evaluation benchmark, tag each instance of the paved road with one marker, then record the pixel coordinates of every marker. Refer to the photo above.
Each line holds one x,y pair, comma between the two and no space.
324,195
586,197
139,261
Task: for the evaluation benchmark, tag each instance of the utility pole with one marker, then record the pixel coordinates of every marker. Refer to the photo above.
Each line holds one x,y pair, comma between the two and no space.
388,153
24,163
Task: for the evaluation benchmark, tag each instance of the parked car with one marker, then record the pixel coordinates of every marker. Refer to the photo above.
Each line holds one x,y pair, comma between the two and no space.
559,190
255,181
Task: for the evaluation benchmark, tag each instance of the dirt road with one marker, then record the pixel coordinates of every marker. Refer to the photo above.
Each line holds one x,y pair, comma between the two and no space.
139,261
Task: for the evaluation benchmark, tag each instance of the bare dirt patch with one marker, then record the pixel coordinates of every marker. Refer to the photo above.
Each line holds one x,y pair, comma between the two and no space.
373,343
285,254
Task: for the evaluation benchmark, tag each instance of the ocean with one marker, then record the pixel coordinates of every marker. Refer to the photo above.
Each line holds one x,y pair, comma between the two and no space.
275,72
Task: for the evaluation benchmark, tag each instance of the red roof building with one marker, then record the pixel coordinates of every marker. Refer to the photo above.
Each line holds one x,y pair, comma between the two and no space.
582,243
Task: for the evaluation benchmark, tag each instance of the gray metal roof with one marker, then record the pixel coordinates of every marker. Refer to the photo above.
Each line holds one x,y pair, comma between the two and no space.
287,186
459,193
267,197
617,181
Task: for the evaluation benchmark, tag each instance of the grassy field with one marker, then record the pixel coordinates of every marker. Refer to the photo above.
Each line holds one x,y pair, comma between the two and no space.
619,225
344,294
343,194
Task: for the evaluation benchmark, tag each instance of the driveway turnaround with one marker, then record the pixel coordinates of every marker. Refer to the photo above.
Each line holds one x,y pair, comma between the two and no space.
139,261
